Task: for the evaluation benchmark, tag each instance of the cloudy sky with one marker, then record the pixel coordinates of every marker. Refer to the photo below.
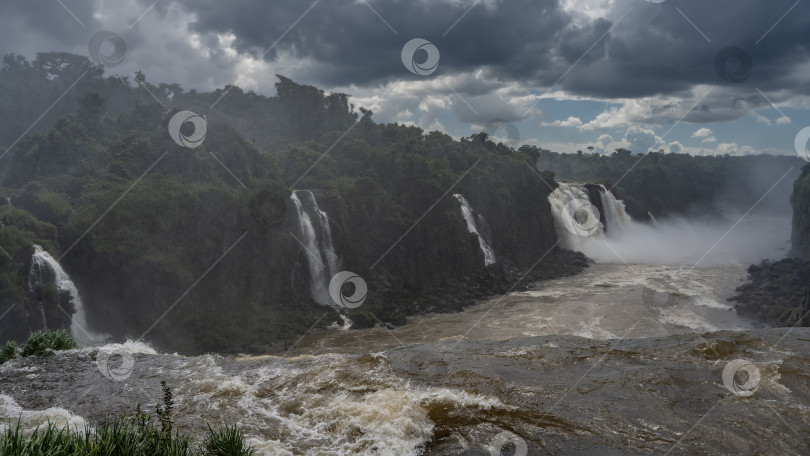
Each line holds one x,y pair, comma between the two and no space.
690,76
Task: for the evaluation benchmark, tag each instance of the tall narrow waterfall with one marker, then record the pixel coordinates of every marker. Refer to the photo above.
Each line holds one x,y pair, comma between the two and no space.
579,215
313,226
614,211
46,270
477,225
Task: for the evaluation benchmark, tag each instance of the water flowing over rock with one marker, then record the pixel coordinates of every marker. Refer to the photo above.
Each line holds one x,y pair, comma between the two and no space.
477,225
316,237
613,210
583,211
46,270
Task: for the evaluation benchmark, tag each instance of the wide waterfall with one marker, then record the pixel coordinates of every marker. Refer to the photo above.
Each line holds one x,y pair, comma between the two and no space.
580,215
575,217
45,269
316,236
477,225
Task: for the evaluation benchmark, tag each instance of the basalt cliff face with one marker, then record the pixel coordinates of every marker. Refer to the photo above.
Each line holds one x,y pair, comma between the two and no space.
801,214
778,292
205,249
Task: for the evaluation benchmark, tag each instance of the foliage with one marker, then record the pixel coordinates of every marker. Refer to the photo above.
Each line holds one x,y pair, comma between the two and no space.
227,442
141,219
164,412
9,351
44,343
135,435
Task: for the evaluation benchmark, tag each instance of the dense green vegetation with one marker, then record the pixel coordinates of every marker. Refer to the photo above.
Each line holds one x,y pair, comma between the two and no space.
40,343
135,435
189,248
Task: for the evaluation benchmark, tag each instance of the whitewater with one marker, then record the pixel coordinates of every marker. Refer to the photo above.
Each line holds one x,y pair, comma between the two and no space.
623,358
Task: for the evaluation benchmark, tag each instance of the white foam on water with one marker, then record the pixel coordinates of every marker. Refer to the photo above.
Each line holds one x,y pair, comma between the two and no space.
131,346
705,301
30,420
593,331
683,317
314,405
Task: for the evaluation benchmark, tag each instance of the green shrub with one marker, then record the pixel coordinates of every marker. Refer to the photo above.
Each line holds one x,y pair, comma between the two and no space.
44,342
10,351
227,442
136,435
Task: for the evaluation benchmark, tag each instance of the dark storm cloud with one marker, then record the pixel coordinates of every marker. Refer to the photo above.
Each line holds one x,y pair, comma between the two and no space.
30,26
359,48
653,49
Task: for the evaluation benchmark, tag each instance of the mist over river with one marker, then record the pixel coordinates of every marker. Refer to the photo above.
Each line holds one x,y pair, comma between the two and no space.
624,358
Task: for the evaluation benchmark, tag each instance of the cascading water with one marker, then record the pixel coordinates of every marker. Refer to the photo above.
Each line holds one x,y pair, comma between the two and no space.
614,211
317,239
479,228
45,269
575,216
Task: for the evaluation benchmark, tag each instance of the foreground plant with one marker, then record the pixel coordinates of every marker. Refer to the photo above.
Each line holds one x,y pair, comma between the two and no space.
136,435
44,342
40,343
9,351
227,442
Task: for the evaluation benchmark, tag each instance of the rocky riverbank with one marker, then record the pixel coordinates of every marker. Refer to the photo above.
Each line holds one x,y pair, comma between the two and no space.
778,293
454,297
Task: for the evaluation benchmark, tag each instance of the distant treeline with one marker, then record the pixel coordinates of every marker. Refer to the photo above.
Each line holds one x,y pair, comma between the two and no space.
138,219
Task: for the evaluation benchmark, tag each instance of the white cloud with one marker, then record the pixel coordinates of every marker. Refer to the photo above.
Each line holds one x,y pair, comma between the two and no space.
676,147
570,122
643,140
734,149
762,120
702,133
710,139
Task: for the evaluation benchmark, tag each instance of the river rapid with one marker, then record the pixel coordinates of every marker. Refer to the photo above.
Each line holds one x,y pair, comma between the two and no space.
629,357
621,359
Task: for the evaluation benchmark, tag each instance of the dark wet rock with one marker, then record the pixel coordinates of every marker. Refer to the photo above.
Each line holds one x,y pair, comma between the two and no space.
801,214
778,293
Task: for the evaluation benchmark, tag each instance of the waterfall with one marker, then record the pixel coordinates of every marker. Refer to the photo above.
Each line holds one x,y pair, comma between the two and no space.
316,236
46,270
579,215
480,229
614,211
575,217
